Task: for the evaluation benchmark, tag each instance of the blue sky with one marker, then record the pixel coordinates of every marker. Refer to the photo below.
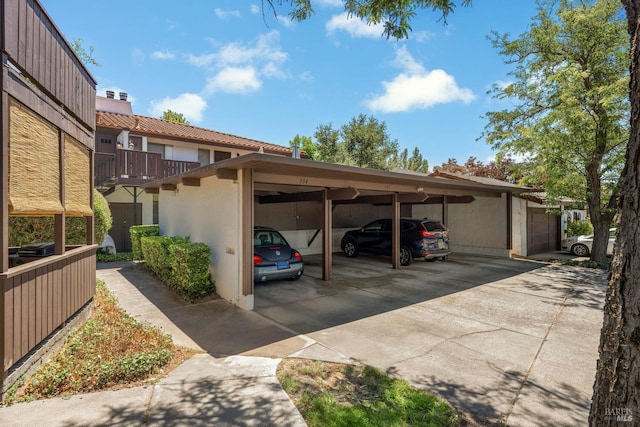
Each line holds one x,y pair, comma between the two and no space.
227,67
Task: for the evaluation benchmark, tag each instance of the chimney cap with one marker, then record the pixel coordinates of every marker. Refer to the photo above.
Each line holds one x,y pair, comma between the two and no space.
110,94
123,96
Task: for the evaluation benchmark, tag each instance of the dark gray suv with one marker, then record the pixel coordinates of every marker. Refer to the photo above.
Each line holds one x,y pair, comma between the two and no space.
419,238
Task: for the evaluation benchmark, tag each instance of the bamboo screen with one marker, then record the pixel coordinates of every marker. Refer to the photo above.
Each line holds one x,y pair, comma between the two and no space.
34,164
77,179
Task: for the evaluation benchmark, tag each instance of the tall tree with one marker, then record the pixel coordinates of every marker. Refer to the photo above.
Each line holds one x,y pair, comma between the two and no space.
173,116
616,392
305,143
415,163
363,142
618,372
570,106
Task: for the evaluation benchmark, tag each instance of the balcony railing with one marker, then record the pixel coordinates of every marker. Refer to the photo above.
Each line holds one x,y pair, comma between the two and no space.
135,167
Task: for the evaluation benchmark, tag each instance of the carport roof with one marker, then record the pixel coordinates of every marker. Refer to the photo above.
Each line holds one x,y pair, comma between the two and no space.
269,168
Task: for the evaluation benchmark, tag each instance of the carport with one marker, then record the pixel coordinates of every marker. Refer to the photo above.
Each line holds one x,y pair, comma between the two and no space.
215,204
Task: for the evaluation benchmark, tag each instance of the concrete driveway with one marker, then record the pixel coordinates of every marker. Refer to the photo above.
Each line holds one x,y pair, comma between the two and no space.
510,341
507,341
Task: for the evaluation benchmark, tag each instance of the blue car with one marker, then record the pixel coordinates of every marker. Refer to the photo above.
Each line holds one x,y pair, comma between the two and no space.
419,238
273,258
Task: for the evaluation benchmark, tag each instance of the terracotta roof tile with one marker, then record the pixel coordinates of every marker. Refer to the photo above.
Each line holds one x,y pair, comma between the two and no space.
152,126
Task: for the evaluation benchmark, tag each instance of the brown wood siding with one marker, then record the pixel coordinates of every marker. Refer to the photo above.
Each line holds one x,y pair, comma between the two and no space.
39,297
542,231
36,47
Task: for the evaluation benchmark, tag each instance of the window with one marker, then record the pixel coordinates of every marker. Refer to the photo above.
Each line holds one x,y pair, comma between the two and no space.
156,148
204,157
156,210
221,155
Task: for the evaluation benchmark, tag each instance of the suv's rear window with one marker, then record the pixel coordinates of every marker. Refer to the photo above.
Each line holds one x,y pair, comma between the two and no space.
434,226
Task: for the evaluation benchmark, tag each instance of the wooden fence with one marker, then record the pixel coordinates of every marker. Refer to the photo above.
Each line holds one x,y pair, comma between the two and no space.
39,297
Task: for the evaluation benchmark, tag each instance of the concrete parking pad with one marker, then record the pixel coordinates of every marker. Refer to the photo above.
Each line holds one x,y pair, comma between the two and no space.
510,341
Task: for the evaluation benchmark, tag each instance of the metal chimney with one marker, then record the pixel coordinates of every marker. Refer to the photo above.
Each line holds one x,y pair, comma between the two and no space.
296,151
123,96
110,94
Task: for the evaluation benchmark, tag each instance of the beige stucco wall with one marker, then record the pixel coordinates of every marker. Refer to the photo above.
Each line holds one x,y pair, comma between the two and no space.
480,227
211,214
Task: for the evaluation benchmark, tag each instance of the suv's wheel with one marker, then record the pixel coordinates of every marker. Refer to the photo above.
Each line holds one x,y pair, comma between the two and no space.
580,250
350,249
405,256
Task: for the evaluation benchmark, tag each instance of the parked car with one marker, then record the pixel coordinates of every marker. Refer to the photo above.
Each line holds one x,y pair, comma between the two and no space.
419,238
273,258
581,245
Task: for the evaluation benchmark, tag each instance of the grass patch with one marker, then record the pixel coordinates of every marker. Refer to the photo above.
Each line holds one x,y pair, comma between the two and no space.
110,350
334,394
120,256
602,265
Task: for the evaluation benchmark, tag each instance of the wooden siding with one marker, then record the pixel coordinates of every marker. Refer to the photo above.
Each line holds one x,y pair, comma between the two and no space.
39,297
37,48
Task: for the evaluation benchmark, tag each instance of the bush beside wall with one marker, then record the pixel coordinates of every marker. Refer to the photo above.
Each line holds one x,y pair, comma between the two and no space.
190,270
137,232
181,265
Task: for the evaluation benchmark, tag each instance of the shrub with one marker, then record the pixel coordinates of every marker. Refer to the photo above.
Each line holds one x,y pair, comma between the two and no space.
137,232
579,228
155,251
31,229
190,270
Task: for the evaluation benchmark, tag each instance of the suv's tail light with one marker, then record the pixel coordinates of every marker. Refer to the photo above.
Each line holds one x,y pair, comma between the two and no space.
425,233
296,255
257,260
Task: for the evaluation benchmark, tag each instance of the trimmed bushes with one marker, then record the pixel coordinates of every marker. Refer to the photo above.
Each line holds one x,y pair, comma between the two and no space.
181,265
190,270
137,232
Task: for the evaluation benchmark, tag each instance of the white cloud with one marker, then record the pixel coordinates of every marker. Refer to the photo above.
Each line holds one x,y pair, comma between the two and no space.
163,54
502,84
254,9
234,80
189,104
354,26
202,61
330,3
241,67
224,14
306,76
417,88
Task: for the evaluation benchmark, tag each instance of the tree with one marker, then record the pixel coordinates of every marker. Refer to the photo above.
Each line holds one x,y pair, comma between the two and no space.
305,143
616,392
362,142
86,57
570,106
414,163
172,116
618,372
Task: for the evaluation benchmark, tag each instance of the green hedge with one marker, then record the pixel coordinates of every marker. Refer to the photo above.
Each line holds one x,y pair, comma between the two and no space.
579,228
155,251
137,232
181,265
190,270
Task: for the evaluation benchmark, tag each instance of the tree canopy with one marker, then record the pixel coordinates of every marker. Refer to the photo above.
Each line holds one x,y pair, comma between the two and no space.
569,110
173,116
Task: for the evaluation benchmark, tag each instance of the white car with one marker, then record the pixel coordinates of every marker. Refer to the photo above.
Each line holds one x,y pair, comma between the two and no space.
581,245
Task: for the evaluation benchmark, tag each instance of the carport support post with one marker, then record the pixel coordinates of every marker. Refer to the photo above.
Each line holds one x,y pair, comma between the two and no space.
395,231
246,262
327,244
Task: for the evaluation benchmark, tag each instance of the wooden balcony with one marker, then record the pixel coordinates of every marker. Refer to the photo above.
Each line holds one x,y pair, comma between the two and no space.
131,167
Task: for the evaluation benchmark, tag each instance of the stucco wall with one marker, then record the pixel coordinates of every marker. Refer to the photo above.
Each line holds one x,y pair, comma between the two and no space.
210,214
478,227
